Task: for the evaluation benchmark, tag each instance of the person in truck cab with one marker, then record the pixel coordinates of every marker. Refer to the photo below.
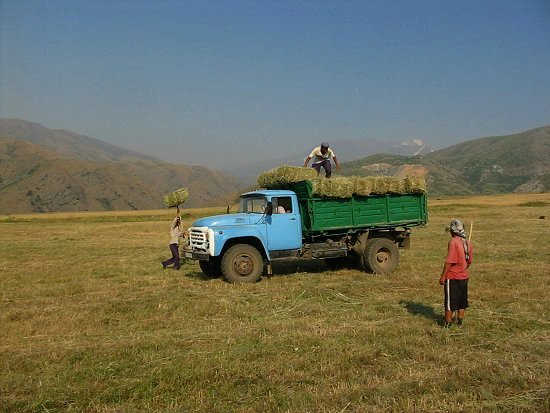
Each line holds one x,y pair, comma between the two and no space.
321,159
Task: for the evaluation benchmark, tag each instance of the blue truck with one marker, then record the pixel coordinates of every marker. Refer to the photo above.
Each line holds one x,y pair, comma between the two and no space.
364,232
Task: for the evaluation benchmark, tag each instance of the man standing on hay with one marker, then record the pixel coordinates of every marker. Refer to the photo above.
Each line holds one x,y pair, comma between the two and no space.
321,158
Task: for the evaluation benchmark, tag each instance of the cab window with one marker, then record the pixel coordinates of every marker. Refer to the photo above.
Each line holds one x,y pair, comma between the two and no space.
282,205
254,205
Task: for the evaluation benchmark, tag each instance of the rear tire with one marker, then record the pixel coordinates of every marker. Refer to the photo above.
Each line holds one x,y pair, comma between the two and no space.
381,256
242,263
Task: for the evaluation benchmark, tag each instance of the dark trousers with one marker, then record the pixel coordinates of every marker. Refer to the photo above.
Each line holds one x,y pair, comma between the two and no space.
325,164
175,257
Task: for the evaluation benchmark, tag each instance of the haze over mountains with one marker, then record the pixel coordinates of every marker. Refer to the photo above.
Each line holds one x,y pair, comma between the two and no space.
45,170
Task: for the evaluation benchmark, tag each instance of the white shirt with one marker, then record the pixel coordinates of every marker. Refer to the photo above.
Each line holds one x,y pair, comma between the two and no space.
175,233
317,156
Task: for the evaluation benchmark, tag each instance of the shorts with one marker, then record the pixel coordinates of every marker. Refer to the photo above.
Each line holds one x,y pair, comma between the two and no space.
456,295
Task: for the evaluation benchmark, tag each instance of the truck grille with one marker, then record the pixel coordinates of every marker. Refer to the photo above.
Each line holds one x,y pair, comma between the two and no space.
198,239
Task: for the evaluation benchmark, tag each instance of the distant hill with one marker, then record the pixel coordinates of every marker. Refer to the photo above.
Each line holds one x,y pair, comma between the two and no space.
67,143
45,170
60,177
497,164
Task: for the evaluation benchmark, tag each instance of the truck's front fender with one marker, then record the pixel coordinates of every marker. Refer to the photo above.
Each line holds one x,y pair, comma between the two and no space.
232,235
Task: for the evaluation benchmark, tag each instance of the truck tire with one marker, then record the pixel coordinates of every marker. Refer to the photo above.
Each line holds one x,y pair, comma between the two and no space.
242,263
211,268
381,256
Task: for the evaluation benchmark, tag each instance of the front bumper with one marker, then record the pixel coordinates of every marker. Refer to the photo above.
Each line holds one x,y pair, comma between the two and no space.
196,255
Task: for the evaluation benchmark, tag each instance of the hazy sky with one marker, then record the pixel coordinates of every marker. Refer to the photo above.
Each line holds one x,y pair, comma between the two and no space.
222,82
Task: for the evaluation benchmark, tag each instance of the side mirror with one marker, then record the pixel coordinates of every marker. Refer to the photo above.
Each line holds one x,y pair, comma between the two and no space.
269,208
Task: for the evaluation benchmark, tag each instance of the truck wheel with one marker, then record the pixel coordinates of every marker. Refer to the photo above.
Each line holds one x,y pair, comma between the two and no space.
242,263
211,268
381,256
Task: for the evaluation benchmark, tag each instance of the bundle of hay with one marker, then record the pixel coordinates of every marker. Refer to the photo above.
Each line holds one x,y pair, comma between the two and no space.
333,188
174,199
285,175
363,186
415,185
387,185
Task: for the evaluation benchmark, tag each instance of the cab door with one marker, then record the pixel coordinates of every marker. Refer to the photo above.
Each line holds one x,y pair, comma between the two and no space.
284,228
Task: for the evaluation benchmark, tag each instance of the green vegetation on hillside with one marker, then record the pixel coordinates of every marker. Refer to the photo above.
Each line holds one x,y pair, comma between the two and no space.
483,166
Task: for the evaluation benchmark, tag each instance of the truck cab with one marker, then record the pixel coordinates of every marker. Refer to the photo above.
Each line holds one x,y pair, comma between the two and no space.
268,221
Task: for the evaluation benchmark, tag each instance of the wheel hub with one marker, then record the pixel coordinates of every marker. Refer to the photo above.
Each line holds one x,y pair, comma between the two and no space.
244,265
382,257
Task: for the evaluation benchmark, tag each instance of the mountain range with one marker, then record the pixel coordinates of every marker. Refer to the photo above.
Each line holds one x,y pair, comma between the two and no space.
46,170
497,164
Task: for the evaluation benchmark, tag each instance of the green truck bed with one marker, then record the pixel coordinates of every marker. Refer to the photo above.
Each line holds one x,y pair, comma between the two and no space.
387,211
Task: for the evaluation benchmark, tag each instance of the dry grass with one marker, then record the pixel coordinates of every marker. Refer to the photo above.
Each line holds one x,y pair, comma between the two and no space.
90,322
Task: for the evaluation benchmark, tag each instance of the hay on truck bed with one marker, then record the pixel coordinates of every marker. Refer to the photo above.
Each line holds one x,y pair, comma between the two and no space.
174,199
340,187
278,177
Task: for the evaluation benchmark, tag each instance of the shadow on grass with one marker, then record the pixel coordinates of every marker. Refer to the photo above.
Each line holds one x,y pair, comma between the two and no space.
421,309
285,267
298,265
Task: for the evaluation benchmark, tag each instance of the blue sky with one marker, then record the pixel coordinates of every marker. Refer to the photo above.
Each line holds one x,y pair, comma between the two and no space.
219,83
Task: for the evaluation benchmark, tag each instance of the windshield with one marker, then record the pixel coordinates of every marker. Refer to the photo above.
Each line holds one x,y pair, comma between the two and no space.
255,205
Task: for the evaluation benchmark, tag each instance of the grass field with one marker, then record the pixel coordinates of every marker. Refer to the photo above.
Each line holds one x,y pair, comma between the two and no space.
89,321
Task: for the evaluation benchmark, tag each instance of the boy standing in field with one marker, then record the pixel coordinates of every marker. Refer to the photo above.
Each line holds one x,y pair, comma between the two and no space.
454,276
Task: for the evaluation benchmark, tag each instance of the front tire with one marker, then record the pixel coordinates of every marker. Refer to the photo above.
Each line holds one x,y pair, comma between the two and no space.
242,263
381,256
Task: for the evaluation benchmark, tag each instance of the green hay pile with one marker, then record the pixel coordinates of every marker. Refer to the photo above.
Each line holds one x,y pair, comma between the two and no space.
334,187
415,185
341,187
285,174
388,185
174,199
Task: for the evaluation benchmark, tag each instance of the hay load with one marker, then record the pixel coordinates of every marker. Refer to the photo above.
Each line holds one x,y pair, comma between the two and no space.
333,187
388,185
283,175
415,185
174,199
340,187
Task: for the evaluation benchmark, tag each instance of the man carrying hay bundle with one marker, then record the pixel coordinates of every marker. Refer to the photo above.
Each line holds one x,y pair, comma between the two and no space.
321,159
174,199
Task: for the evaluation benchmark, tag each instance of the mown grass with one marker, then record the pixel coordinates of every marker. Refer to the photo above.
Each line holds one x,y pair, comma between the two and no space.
90,322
